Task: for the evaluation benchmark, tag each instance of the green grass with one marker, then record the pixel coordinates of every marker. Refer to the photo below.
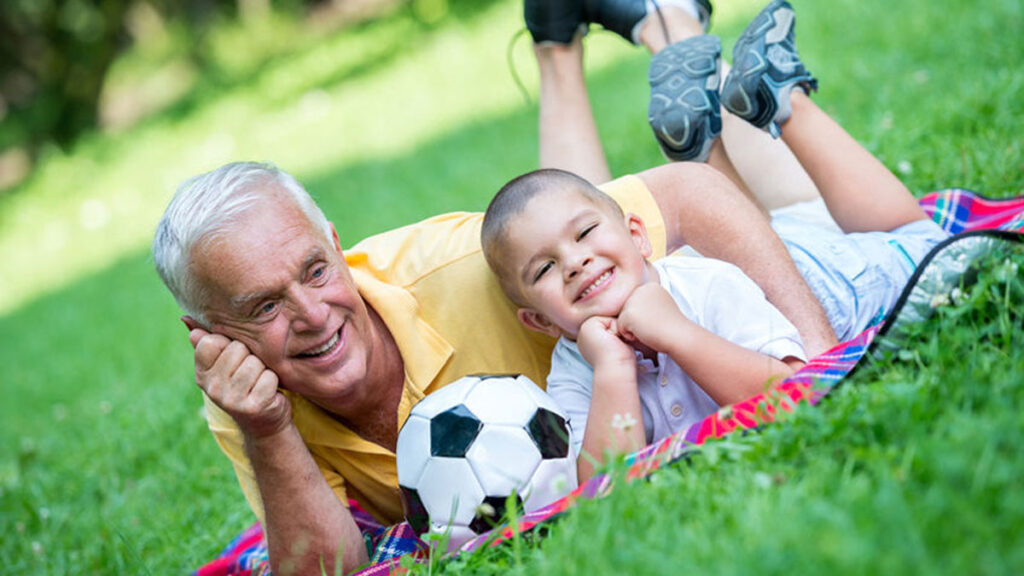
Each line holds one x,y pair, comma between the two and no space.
105,462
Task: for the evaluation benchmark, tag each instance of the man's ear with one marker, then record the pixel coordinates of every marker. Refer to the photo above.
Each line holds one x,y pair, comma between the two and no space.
638,231
334,234
538,322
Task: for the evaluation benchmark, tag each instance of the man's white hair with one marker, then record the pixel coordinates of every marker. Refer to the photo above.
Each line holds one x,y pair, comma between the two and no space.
205,206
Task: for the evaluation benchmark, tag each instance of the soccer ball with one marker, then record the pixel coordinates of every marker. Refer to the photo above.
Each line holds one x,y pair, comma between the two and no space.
468,446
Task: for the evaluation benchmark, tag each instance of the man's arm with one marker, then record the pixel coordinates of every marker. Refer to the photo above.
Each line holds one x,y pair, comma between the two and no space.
703,209
305,523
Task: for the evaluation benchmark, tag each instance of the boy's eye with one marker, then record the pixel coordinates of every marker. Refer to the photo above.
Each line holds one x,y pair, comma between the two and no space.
541,271
585,231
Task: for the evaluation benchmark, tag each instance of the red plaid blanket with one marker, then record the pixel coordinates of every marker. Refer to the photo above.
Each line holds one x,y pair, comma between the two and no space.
956,210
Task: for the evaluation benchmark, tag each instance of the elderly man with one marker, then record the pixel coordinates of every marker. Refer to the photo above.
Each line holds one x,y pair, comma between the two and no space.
310,358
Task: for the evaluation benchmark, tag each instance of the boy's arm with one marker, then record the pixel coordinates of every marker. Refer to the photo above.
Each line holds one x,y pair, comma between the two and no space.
615,421
728,372
702,208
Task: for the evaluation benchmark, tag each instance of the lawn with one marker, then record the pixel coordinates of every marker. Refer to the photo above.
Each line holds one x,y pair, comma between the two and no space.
105,462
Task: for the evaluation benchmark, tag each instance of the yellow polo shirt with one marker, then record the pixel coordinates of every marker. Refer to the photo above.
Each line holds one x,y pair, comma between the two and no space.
431,286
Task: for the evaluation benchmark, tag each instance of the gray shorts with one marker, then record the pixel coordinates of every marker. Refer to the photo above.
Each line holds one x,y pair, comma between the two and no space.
856,277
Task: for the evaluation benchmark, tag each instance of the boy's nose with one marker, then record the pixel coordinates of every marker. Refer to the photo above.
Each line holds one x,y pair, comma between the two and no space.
577,265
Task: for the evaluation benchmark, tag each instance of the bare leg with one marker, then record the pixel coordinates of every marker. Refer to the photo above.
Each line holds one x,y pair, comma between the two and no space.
861,193
568,134
678,23
767,166
719,160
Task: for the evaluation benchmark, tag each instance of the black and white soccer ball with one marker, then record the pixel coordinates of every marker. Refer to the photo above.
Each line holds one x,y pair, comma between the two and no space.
468,446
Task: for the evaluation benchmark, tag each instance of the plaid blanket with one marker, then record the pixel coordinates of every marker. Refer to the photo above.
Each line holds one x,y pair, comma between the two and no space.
961,212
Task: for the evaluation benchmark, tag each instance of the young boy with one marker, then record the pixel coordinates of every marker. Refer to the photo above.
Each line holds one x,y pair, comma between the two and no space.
666,343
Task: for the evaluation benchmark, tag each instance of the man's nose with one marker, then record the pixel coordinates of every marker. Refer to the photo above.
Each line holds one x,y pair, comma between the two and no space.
309,311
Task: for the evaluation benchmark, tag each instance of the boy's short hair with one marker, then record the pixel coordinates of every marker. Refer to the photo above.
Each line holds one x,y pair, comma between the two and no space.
512,199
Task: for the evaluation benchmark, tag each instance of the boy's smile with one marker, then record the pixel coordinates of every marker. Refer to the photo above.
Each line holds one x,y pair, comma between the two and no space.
572,258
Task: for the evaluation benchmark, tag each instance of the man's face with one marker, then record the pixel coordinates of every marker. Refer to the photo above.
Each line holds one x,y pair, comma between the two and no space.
280,287
572,258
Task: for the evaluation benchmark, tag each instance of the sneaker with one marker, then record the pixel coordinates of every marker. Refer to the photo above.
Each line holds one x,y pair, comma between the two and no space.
684,111
555,21
766,68
626,17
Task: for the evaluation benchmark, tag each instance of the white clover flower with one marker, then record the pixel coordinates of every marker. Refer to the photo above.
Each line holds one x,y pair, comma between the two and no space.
485,509
559,484
624,422
957,296
939,300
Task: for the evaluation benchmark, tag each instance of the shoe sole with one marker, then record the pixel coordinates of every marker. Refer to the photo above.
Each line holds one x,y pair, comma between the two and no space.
751,91
684,111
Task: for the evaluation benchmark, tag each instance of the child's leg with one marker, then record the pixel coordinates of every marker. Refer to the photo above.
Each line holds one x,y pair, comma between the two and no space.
860,192
771,176
568,133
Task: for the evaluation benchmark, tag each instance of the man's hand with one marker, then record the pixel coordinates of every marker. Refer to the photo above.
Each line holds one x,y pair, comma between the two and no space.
239,383
651,317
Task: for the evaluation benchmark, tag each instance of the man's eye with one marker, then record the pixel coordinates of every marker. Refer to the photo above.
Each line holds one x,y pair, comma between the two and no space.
319,273
267,308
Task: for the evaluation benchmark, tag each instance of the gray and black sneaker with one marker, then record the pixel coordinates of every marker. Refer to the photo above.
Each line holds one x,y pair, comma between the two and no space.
624,17
684,111
556,21
766,67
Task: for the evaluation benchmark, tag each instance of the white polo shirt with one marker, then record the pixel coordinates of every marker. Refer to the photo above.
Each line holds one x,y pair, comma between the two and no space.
715,295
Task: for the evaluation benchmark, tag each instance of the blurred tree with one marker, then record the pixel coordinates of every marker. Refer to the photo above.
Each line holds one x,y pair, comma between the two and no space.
55,54
53,57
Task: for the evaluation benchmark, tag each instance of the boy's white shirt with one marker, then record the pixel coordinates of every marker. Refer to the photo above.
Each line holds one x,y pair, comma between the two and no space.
714,294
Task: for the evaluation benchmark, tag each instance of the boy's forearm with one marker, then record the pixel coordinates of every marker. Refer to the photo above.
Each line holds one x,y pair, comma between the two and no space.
728,372
615,421
703,209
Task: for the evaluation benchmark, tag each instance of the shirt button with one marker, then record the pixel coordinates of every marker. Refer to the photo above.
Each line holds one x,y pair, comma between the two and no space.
677,410
663,380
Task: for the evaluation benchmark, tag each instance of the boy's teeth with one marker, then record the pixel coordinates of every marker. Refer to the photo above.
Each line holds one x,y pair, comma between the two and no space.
599,279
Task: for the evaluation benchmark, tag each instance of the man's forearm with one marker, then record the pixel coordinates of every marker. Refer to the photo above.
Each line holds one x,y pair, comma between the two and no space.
305,523
702,208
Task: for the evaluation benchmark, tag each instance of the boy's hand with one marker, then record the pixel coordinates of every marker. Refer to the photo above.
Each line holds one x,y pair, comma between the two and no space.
651,317
600,344
239,383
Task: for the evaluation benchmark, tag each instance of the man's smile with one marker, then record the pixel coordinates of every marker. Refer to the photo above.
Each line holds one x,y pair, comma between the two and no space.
327,349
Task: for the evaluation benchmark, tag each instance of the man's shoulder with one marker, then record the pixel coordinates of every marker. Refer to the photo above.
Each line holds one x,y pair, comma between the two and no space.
407,253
